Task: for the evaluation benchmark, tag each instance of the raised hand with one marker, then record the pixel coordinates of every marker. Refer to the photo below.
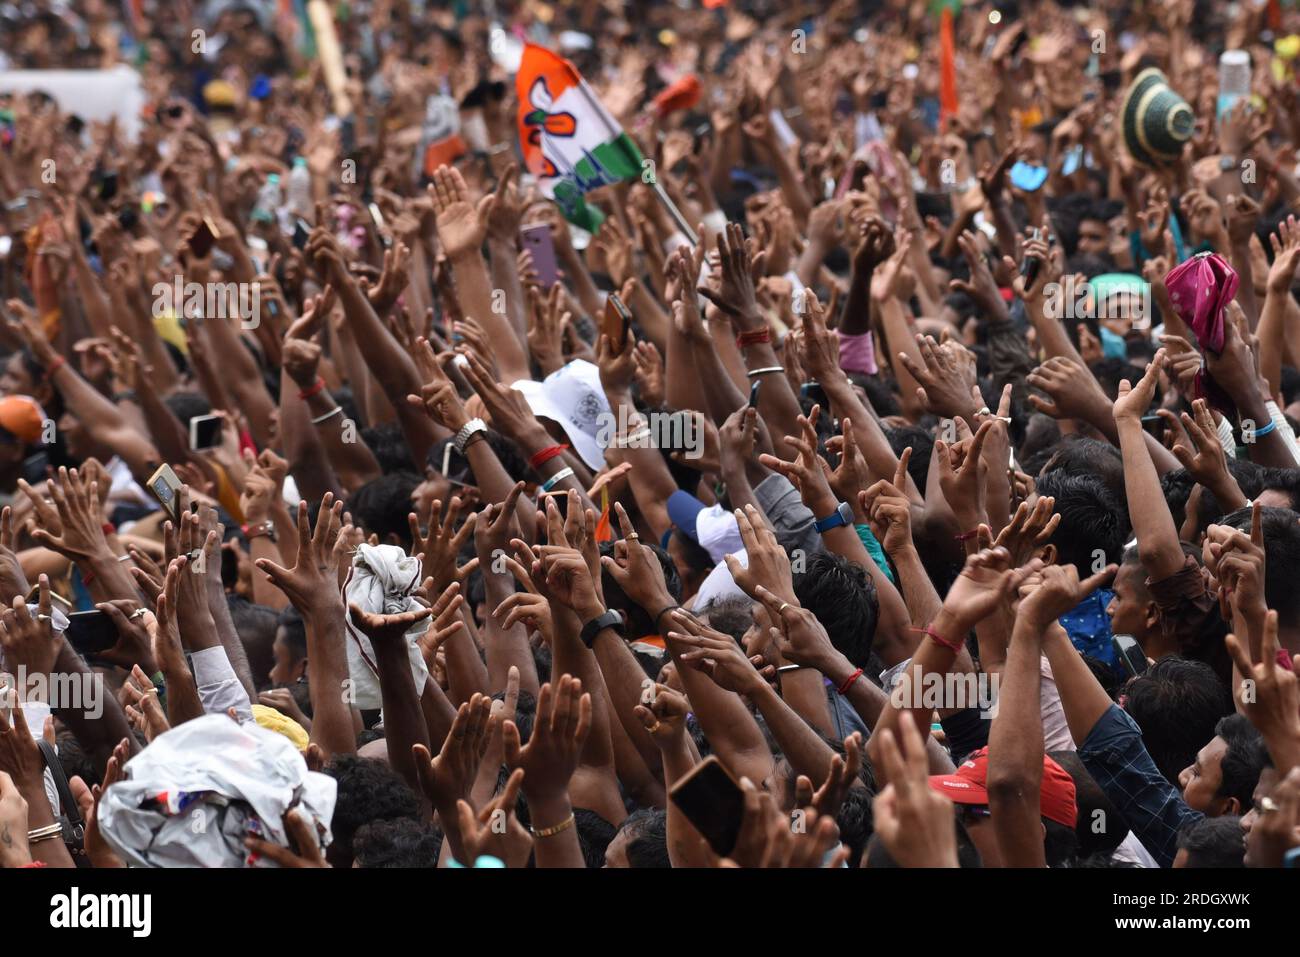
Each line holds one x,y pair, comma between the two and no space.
559,732
914,821
462,226
441,545
312,585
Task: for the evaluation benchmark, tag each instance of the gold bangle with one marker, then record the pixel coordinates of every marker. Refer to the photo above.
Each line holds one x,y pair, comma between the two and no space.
554,829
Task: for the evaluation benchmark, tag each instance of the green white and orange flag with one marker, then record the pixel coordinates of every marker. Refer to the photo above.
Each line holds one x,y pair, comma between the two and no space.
569,140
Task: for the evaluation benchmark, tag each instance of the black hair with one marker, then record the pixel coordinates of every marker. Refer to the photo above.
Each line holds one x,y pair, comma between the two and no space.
1213,842
921,442
1286,481
843,598
388,444
256,626
594,835
1177,703
382,505
730,614
647,845
294,630
638,619
1077,454
1240,767
1093,519
187,405
1060,845
856,822
402,842
1281,528
367,791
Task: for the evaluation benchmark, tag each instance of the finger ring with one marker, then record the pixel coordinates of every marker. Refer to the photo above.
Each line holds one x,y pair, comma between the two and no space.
1267,805
194,554
654,727
784,606
984,411
44,618
138,613
634,537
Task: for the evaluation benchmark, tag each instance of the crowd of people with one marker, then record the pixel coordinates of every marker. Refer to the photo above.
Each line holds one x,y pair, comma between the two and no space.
898,470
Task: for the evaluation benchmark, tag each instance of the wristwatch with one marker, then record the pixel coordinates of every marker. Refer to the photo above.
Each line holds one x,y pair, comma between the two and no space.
467,431
843,515
609,619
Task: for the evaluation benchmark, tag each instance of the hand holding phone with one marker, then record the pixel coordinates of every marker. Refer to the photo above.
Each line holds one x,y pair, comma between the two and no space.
712,801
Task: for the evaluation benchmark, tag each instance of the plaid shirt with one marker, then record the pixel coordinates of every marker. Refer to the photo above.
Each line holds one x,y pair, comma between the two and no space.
1118,761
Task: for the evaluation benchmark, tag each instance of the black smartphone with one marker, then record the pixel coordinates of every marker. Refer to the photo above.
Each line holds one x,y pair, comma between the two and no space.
1130,654
205,432
301,233
90,632
202,240
1030,264
753,393
814,392
713,802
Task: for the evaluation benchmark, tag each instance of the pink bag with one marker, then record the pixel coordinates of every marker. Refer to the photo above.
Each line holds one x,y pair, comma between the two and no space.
1200,290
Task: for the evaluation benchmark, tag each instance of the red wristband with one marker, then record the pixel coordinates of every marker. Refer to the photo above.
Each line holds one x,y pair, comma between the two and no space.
32,864
966,536
548,453
848,682
953,646
58,363
109,529
312,389
754,338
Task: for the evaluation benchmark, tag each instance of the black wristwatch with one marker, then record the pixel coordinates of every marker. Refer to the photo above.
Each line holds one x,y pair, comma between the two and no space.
609,619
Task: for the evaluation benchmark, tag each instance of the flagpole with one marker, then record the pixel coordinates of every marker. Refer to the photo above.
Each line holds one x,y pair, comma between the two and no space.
661,194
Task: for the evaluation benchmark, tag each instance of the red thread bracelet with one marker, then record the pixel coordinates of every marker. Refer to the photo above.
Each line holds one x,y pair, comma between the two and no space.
966,536
548,453
312,389
848,683
754,338
108,528
953,646
58,363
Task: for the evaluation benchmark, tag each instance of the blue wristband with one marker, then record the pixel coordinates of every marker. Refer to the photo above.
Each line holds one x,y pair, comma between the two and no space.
1265,430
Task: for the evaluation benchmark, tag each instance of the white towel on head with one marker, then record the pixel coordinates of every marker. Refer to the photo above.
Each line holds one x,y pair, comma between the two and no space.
382,581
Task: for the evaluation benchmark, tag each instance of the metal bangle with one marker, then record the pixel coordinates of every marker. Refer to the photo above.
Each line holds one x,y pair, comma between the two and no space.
337,410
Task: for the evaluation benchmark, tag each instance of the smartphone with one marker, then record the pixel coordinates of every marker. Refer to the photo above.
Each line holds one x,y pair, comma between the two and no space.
380,226
713,802
814,392
753,393
205,432
537,240
616,321
1028,177
301,233
1030,264
165,487
56,600
90,632
1130,654
108,186
35,467
202,240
